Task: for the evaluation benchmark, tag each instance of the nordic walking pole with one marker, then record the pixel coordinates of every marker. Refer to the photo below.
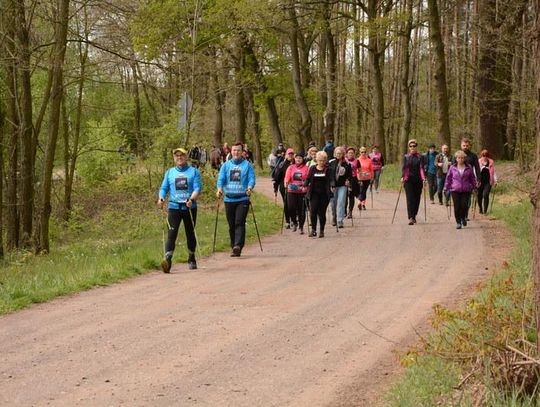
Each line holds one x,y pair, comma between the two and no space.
215,226
397,202
371,191
195,233
425,203
255,222
473,205
492,198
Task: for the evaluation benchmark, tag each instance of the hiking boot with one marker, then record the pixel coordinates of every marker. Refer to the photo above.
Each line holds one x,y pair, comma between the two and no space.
192,263
321,234
313,233
236,251
295,227
166,263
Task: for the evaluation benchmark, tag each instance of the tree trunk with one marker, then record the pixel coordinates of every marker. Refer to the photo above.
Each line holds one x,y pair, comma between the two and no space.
405,85
58,55
139,141
2,129
305,129
219,105
535,195
240,108
273,120
331,74
255,125
26,126
440,73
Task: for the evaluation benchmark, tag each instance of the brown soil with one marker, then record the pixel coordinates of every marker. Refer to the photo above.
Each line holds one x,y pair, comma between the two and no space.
307,322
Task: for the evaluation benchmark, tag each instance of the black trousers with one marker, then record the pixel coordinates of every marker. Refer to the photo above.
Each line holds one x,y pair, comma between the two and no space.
483,197
352,194
432,185
283,192
364,185
175,217
461,205
413,192
236,217
317,209
297,210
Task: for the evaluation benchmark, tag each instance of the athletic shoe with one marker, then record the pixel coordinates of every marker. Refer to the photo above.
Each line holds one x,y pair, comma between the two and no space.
301,231
363,207
440,202
340,225
192,263
287,226
166,264
447,203
334,223
414,220
464,222
236,250
321,234
313,233
458,226
432,201
411,222
295,227
359,206
481,212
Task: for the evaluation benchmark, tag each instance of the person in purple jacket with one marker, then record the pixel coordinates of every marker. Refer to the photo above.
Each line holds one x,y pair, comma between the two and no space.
460,181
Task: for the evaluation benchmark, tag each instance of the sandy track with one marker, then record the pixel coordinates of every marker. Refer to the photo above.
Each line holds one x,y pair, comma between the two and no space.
307,322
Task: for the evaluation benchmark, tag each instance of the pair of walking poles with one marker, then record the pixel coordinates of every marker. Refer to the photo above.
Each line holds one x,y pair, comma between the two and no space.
216,224
397,203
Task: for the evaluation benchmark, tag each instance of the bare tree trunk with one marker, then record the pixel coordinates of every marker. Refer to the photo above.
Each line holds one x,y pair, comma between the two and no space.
331,73
440,73
405,84
240,108
535,195
273,120
219,105
59,51
2,136
139,141
27,127
255,125
305,129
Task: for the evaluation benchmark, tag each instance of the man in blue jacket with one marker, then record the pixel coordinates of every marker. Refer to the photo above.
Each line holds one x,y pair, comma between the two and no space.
235,182
430,168
182,183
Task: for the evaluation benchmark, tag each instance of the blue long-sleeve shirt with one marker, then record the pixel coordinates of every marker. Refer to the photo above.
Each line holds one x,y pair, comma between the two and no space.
180,183
235,177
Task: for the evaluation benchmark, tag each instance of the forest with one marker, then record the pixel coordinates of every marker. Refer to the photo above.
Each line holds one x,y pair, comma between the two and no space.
90,88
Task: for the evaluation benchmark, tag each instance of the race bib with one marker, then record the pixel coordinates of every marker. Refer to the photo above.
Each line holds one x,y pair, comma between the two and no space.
181,183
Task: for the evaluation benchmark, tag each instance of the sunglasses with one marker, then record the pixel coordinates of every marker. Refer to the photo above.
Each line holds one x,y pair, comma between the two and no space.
413,145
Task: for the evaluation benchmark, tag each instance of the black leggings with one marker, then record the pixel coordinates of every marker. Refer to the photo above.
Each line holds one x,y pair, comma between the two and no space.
175,217
461,205
413,192
364,185
483,197
296,208
236,217
317,209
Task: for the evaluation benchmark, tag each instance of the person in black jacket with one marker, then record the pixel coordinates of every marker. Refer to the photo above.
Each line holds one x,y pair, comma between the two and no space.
342,175
413,178
321,182
278,177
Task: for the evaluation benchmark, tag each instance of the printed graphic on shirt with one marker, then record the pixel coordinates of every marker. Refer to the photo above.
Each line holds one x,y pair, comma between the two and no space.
181,183
341,171
235,175
319,174
365,174
297,176
375,159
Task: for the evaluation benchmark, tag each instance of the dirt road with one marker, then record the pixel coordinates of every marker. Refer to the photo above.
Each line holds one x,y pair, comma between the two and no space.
308,322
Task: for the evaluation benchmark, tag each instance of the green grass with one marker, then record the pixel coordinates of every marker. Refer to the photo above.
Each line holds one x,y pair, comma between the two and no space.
118,243
499,313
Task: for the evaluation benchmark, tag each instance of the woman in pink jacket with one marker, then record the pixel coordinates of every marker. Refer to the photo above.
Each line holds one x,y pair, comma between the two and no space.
364,175
294,180
487,180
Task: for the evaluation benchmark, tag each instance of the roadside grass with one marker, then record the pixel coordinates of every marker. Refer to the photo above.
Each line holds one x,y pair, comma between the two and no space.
471,342
117,233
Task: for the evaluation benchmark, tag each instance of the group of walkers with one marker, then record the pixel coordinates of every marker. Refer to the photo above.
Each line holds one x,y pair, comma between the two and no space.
334,176
314,181
454,177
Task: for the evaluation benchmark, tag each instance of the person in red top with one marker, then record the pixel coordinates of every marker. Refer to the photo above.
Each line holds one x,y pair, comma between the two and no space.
487,179
364,176
294,180
354,188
